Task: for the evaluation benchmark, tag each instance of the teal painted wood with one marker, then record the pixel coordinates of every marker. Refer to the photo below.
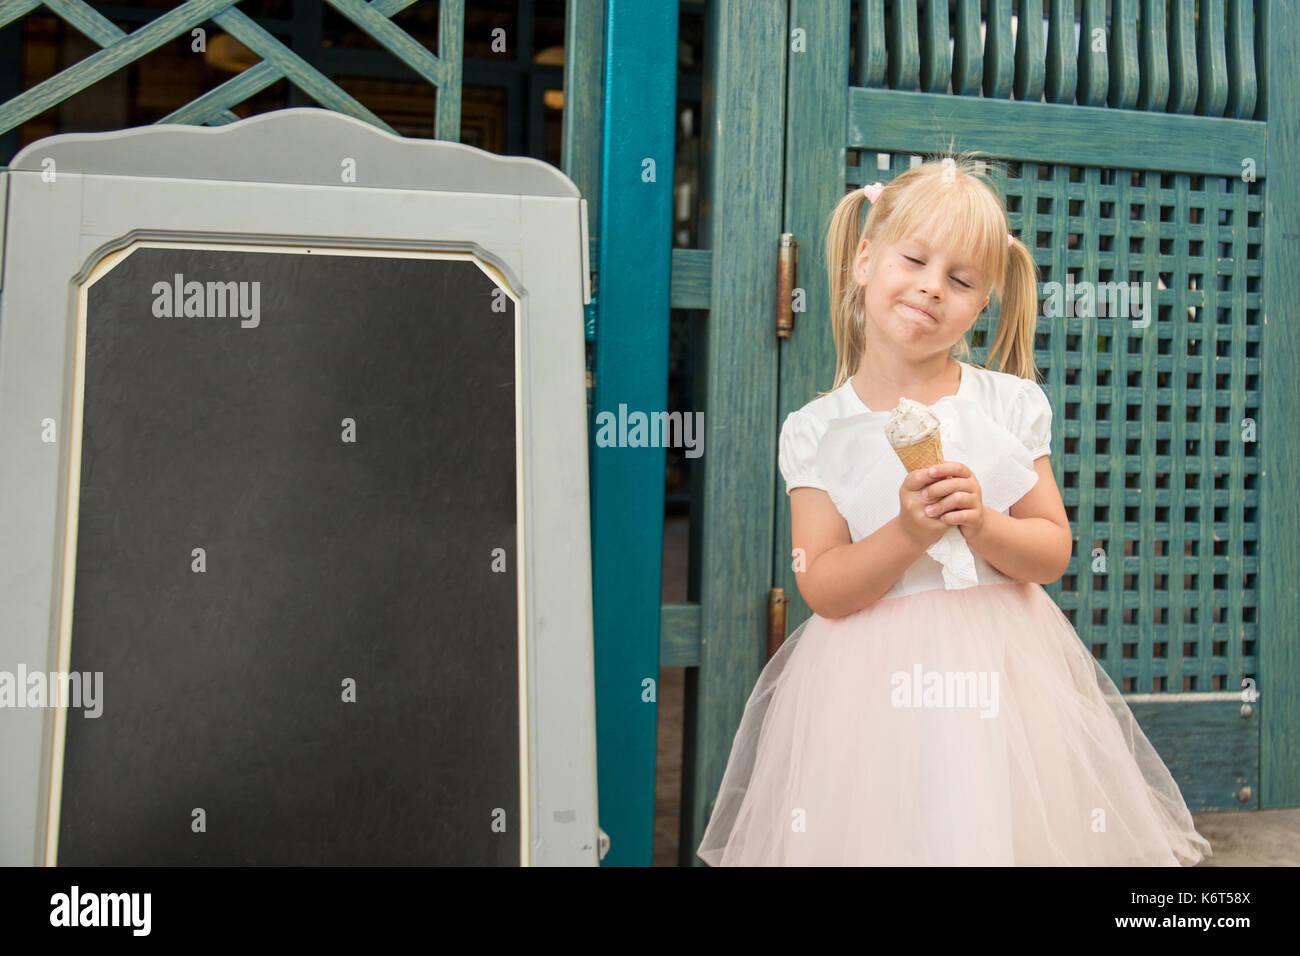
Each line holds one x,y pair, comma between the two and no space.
1062,63
1279,671
692,280
11,10
1240,58
1263,14
747,54
1153,58
631,353
584,66
1182,56
1233,247
1124,79
1126,384
1093,58
105,32
451,60
967,52
1211,748
904,53
999,57
396,41
295,69
936,65
679,636
214,107
1212,66
442,71
1030,67
1173,473
584,83
98,65
1048,132
872,60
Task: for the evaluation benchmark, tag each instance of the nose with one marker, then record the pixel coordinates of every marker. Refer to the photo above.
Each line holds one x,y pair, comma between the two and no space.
930,282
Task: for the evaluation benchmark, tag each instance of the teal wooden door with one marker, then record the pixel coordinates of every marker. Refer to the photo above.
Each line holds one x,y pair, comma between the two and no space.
1151,155
1145,148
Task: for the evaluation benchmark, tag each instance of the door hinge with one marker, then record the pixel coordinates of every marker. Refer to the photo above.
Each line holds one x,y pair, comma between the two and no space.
786,269
776,605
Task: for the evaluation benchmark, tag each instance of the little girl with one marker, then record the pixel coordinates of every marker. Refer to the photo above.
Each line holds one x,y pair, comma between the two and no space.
937,707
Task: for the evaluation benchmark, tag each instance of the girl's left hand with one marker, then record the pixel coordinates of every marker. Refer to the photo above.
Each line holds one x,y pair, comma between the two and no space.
956,496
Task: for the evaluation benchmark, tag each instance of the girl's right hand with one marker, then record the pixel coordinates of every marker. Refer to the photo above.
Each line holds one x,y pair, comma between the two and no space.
916,524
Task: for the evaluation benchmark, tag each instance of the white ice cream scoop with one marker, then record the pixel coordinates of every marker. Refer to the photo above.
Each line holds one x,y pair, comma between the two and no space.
910,423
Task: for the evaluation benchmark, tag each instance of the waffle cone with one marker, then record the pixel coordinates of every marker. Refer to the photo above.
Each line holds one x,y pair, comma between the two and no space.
922,454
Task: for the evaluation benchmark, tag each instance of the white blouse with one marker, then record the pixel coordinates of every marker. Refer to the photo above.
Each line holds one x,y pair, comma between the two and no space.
996,424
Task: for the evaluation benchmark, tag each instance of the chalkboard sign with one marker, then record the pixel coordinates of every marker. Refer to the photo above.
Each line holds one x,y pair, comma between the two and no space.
316,522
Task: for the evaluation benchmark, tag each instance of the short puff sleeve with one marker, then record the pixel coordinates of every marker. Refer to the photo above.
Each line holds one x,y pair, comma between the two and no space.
800,436
1031,419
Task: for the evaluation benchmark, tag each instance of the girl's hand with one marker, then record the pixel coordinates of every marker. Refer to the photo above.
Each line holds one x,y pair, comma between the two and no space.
922,529
953,496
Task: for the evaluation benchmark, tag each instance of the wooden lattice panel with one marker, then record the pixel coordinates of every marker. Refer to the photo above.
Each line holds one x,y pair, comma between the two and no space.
277,60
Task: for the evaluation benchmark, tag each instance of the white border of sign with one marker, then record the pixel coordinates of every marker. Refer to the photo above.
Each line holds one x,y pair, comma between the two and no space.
266,183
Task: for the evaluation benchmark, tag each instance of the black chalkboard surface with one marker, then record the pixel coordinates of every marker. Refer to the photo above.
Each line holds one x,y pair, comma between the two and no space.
389,560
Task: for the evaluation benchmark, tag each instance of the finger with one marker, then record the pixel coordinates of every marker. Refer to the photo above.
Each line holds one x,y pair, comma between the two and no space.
958,517
949,502
918,479
940,492
936,472
941,487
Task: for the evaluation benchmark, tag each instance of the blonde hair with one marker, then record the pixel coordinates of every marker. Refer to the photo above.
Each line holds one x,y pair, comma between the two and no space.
952,196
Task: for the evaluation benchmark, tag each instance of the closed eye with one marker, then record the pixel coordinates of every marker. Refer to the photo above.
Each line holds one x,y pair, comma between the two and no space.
964,285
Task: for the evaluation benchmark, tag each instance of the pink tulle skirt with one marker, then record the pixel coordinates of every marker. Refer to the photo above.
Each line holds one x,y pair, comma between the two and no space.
962,727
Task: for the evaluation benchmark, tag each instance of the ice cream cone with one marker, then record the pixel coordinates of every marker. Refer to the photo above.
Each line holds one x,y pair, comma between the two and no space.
913,432
921,454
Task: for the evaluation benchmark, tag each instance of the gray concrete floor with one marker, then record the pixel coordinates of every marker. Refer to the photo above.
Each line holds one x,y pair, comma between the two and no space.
1240,838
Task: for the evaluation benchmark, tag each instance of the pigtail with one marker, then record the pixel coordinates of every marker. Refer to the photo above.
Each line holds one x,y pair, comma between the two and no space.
1018,321
842,240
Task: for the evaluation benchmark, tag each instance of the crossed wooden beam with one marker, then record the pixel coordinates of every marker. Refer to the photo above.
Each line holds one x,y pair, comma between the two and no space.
213,108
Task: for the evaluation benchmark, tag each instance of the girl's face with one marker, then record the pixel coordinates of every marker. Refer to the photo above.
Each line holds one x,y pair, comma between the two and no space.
921,298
